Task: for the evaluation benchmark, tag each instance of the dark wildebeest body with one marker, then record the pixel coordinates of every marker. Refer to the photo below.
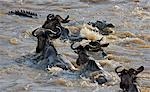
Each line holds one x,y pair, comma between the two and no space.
89,65
44,34
50,56
128,79
93,46
102,25
82,55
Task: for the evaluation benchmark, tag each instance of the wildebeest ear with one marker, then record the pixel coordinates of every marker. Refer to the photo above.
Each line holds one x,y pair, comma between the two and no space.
140,69
104,45
62,20
66,19
100,39
110,25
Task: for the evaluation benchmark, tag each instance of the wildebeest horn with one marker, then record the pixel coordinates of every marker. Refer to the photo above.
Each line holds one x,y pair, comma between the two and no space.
50,16
100,39
117,69
110,25
66,19
52,33
73,48
62,20
104,45
140,69
34,32
92,44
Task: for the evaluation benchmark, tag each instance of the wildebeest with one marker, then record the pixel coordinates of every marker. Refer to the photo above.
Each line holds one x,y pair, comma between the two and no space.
23,13
96,46
93,48
128,78
82,51
44,34
65,35
82,54
102,25
90,66
50,56
54,21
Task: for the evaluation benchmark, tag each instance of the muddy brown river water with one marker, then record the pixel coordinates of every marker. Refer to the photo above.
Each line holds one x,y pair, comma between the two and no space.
129,45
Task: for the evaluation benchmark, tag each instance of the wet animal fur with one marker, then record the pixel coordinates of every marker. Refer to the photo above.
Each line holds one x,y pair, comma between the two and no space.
101,26
128,79
54,21
50,56
88,64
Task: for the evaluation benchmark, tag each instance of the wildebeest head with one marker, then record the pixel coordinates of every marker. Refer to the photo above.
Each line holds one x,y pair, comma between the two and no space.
102,26
96,46
128,77
82,54
53,21
77,49
43,36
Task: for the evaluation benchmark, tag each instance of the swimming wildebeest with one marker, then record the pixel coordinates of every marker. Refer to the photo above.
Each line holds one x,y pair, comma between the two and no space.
128,78
97,46
44,34
90,68
102,26
54,21
50,56
93,46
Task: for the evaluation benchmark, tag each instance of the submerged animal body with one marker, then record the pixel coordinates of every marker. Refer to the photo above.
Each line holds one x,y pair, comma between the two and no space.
23,13
93,46
44,34
89,65
93,49
102,25
82,54
128,79
49,53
